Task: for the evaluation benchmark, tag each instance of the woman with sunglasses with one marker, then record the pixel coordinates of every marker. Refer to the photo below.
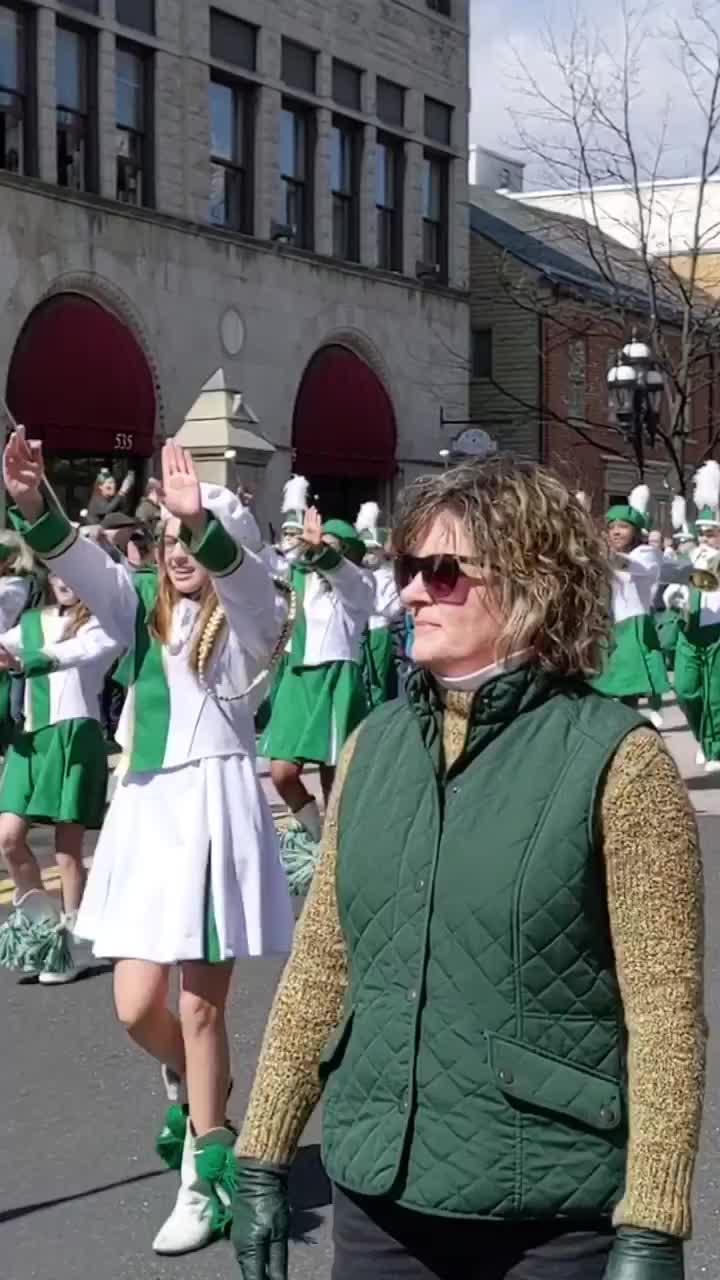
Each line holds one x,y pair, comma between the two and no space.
497,977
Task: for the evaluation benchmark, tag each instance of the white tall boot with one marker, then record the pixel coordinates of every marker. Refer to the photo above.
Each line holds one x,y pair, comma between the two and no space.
200,1205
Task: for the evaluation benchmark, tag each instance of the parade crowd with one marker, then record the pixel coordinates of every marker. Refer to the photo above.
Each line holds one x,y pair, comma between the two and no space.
496,980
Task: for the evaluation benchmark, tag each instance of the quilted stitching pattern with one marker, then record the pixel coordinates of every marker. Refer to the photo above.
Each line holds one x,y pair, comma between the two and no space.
473,906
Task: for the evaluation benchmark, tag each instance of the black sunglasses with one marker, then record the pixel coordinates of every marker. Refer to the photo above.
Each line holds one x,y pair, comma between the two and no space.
440,573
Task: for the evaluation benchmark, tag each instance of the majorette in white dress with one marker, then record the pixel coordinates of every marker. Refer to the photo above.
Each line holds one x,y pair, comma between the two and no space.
189,822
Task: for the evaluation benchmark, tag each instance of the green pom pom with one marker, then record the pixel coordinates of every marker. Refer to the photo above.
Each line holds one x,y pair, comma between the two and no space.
12,941
300,855
171,1141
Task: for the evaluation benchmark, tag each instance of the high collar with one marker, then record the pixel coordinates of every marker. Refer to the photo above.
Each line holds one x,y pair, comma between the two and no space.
498,701
470,683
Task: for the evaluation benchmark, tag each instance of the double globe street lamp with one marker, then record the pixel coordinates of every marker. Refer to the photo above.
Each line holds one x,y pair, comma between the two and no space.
636,387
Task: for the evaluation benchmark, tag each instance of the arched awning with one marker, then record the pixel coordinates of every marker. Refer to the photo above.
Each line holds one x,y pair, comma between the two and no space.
80,382
344,424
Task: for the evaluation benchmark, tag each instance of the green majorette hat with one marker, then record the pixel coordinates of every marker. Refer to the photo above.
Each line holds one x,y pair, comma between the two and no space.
706,492
368,526
295,496
349,536
633,512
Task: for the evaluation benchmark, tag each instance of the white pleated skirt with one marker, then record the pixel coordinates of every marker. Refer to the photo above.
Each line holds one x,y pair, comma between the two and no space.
169,840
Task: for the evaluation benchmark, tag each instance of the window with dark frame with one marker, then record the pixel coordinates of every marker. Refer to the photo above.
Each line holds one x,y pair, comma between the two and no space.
347,85
390,102
440,6
138,14
482,353
296,160
435,214
15,107
389,180
88,6
232,40
74,71
133,104
345,142
230,148
298,66
438,121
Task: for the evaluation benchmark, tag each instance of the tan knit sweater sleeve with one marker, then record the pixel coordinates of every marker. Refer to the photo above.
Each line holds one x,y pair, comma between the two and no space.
655,899
307,1007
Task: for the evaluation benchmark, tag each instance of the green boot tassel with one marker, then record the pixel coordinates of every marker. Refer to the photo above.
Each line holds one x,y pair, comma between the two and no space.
12,941
215,1165
171,1139
299,854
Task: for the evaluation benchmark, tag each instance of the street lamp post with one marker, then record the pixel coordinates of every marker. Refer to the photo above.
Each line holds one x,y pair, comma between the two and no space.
636,385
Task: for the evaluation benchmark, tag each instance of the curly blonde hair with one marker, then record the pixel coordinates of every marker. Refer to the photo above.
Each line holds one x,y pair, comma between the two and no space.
546,560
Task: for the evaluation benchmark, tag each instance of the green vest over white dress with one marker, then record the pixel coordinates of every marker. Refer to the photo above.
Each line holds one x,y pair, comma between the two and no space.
56,770
635,666
187,866
320,698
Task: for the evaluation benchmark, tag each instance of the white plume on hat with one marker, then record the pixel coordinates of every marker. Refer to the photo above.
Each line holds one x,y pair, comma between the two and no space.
706,486
583,499
295,494
639,499
368,517
678,513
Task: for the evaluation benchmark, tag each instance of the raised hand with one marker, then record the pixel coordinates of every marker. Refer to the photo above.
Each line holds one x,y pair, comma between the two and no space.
8,662
182,487
312,528
23,473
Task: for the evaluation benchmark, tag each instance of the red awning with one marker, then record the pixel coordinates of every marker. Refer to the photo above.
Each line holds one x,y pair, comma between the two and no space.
80,382
344,422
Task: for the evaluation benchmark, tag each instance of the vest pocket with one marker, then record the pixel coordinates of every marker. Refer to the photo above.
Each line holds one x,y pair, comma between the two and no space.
553,1084
335,1046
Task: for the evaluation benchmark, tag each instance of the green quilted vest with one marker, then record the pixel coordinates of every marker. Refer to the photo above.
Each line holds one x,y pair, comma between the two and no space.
479,1069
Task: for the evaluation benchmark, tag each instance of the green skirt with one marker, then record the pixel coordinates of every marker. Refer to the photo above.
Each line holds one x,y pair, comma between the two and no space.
315,709
378,666
57,774
635,667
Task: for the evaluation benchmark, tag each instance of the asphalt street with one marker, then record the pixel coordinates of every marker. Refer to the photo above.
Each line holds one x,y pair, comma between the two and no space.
81,1189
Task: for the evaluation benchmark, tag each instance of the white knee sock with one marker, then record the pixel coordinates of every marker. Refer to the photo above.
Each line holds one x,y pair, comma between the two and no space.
309,817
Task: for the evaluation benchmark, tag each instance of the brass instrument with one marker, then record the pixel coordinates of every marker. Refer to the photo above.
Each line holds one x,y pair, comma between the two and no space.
705,572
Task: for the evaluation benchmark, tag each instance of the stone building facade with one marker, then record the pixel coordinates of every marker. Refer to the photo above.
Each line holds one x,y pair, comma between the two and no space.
275,189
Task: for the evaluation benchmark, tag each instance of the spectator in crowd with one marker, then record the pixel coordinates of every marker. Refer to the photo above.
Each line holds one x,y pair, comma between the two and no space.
149,508
107,497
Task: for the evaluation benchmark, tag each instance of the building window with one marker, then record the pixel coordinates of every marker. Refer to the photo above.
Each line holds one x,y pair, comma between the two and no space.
230,113
232,40
435,214
438,121
390,103
14,63
344,182
577,378
440,6
347,85
138,14
482,353
298,66
296,147
74,59
133,96
389,170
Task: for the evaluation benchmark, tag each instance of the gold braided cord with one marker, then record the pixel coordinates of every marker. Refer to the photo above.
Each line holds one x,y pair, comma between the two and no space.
212,630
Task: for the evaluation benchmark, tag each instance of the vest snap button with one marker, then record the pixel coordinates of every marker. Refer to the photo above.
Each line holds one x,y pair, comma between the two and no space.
420,885
607,1114
507,1077
412,994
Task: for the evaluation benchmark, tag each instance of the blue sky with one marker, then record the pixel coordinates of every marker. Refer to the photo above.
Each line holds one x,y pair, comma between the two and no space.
502,30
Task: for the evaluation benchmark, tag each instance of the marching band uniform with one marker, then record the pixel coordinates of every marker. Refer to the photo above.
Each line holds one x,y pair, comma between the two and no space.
379,670
697,656
635,666
56,769
14,596
320,698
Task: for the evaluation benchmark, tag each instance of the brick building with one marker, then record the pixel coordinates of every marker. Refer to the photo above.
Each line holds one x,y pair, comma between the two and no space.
271,188
545,329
